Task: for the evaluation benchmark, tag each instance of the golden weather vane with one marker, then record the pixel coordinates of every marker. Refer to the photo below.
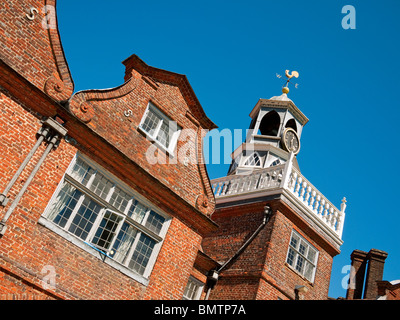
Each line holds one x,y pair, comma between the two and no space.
285,88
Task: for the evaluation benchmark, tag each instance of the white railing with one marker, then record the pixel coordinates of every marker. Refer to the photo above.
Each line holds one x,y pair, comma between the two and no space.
256,181
284,177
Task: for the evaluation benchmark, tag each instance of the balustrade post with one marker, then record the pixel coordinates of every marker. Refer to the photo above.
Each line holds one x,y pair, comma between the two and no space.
317,203
303,190
331,217
308,194
312,200
287,171
321,208
341,217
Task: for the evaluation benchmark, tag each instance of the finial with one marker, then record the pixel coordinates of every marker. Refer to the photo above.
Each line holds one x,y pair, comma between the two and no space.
285,88
343,205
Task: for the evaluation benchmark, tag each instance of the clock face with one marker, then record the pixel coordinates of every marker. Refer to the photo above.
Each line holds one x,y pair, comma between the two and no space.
290,141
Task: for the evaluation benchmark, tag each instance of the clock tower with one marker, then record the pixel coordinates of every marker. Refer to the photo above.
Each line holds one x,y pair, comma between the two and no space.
275,130
278,233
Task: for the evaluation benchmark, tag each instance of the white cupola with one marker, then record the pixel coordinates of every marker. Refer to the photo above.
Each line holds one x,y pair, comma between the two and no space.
275,130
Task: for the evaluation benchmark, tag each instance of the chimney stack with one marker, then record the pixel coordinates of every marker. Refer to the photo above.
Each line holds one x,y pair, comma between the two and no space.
357,274
376,262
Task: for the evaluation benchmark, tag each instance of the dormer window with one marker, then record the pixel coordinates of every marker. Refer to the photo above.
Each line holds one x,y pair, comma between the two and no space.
275,163
159,128
253,160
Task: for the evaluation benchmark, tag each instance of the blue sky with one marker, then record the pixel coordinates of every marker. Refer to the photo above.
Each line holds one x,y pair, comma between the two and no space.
231,51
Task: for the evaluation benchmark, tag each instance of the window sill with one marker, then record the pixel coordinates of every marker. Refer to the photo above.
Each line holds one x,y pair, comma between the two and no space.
86,247
298,274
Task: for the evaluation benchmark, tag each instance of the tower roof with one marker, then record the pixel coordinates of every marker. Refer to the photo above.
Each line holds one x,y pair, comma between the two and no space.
281,101
282,97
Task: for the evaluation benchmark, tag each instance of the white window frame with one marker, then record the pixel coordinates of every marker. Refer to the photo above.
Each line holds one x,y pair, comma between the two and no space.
173,127
199,286
86,243
253,154
303,256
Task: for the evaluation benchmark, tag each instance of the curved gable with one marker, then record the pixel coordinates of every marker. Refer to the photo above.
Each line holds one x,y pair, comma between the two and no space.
33,26
135,66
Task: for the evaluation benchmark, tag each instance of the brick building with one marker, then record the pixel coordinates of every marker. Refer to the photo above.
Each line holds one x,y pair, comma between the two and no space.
104,194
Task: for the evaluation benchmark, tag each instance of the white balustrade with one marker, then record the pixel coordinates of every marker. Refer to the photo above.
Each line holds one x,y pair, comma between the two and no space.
287,178
316,202
239,184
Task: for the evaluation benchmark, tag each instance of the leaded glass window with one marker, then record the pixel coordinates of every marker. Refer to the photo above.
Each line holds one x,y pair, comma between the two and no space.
159,128
103,212
302,256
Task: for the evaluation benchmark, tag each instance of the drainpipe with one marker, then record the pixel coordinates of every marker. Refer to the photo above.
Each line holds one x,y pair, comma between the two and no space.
42,133
53,131
213,275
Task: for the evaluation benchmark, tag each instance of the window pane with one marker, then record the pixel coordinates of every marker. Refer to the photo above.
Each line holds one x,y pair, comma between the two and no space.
275,163
101,185
253,160
302,248
84,218
300,264
137,211
106,230
163,135
308,272
294,241
123,243
151,122
191,289
142,254
64,205
311,255
82,172
120,199
155,222
291,256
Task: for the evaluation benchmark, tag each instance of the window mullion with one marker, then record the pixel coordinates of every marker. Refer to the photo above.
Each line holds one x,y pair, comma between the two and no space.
158,128
90,181
174,139
95,225
110,193
133,248
73,213
146,216
117,230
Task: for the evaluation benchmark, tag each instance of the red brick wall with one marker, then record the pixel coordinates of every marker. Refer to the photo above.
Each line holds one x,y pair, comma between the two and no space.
261,270
174,263
25,44
27,246
235,288
33,51
284,276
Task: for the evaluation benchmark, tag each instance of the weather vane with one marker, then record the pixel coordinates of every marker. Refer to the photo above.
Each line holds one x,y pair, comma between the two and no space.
285,88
